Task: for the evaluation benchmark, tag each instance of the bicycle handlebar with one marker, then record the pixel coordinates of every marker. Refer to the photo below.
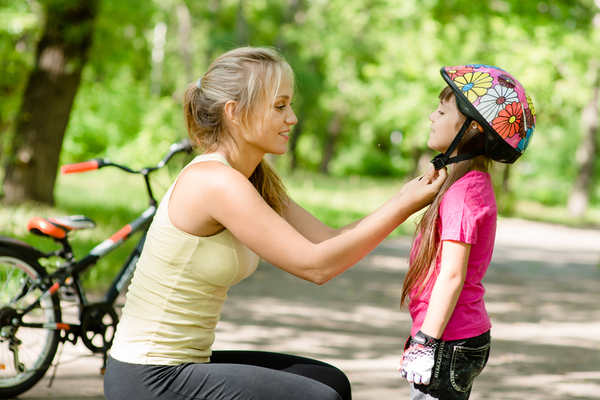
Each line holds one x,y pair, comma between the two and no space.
80,167
97,163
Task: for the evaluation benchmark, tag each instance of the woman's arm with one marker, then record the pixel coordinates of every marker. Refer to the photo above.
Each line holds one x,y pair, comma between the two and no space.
307,224
316,231
447,288
216,196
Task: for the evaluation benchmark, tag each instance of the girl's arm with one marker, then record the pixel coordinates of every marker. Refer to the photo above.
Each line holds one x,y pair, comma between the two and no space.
212,195
418,361
447,288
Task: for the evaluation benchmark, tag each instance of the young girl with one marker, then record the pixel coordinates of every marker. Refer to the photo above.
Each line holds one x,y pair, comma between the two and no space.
226,209
450,336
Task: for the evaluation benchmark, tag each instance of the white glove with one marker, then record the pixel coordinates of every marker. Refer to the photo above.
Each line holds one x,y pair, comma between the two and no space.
418,360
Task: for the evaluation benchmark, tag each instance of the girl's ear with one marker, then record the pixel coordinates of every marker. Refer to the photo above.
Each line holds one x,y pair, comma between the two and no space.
230,107
476,124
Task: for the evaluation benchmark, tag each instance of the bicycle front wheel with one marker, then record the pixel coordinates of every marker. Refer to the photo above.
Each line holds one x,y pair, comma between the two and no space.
25,353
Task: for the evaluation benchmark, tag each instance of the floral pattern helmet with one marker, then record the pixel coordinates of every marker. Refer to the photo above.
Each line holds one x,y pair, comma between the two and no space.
498,102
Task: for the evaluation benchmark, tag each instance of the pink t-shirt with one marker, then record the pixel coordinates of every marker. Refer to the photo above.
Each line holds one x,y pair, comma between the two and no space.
468,214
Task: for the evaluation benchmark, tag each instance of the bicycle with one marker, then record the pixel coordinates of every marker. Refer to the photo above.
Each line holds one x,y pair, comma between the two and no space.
31,317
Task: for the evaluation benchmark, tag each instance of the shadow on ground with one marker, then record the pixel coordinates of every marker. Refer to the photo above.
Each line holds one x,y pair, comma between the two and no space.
543,293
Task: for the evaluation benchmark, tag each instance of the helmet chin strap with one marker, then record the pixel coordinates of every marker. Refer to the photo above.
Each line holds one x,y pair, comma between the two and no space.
443,159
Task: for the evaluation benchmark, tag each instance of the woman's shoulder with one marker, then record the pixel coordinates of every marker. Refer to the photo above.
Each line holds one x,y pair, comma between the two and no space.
203,193
208,157
207,169
207,180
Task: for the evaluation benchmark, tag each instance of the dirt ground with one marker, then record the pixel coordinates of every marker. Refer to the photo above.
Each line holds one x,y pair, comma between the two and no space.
543,293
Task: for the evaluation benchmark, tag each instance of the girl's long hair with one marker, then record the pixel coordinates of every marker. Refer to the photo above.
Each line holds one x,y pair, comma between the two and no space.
426,243
250,76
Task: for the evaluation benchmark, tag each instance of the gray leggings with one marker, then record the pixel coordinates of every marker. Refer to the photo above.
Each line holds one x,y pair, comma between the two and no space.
230,375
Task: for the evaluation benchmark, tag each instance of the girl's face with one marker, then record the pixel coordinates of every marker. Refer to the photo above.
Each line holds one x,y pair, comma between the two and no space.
272,133
446,121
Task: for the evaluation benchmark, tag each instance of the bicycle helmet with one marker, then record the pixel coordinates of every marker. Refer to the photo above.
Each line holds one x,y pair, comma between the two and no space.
498,102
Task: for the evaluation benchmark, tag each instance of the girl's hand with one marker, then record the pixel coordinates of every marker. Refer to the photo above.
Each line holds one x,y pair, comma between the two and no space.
418,360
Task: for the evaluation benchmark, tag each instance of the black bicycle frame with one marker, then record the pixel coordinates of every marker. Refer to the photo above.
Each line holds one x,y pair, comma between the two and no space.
126,271
73,271
68,273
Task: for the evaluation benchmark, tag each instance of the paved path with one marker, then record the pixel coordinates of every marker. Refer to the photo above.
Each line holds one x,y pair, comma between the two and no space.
543,293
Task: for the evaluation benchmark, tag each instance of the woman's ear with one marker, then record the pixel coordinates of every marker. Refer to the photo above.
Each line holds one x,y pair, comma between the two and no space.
230,108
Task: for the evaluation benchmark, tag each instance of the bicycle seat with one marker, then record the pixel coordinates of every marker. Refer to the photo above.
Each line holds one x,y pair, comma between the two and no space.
59,227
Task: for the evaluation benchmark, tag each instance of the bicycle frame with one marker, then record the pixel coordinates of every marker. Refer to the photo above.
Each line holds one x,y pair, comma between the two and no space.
31,298
68,274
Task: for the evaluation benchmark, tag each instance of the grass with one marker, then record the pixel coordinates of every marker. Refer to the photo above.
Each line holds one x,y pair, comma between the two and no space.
113,198
110,197
534,211
340,201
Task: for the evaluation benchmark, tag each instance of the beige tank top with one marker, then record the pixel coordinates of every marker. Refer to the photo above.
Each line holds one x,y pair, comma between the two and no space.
177,292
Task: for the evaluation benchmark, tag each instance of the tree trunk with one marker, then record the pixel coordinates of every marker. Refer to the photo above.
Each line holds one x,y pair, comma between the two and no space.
333,134
586,154
421,159
158,57
296,133
506,178
184,34
47,102
242,30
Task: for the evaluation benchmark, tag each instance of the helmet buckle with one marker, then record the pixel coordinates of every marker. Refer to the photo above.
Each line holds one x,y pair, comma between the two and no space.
439,161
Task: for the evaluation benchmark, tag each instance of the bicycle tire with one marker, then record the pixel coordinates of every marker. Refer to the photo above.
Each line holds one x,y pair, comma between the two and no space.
37,347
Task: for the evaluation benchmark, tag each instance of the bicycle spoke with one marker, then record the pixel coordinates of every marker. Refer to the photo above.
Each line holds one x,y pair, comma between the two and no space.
25,352
8,279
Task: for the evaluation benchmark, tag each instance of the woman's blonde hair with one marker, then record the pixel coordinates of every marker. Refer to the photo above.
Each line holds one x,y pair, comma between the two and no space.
250,76
426,249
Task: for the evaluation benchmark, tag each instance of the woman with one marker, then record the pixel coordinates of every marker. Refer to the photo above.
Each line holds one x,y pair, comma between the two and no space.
227,208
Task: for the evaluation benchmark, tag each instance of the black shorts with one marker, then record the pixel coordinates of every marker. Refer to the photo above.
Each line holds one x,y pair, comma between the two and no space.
458,363
230,375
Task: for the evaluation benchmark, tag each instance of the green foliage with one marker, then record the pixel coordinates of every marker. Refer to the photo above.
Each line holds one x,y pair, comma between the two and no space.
110,197
19,28
113,198
127,124
369,69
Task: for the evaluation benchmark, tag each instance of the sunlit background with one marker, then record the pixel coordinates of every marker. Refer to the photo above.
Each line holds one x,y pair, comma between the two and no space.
367,79
367,72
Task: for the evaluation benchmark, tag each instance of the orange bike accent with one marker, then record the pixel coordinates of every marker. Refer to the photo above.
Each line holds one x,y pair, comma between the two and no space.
79,167
54,288
121,234
46,227
64,327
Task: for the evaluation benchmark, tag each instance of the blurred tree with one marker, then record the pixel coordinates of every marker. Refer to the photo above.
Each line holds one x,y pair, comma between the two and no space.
60,56
587,151
18,31
184,37
549,46
367,74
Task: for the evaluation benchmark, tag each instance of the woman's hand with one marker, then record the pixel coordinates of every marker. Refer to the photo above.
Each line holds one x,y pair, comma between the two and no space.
421,191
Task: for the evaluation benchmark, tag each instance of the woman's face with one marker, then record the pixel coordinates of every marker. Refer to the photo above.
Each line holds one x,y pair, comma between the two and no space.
446,121
271,132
